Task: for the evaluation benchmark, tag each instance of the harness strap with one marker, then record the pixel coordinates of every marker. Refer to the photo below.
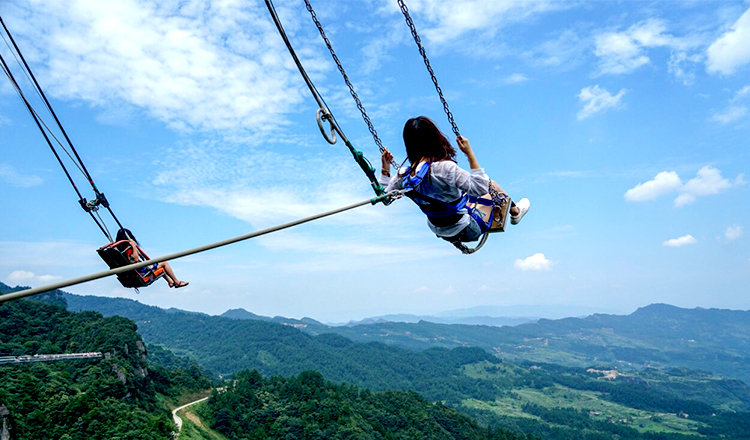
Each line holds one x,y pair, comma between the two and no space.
435,207
430,206
439,212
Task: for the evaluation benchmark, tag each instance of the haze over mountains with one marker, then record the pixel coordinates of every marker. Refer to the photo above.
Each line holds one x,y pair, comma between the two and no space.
405,318
658,336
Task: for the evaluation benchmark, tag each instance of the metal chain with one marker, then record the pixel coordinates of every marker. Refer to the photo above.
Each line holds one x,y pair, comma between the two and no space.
422,51
360,107
498,198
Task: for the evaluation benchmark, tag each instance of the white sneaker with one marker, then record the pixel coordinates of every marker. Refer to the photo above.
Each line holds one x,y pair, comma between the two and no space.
523,205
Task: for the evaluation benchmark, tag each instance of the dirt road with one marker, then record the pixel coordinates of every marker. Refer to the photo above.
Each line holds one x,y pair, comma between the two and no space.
178,420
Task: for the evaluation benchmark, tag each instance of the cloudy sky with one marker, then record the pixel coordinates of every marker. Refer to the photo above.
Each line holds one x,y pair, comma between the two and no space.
625,123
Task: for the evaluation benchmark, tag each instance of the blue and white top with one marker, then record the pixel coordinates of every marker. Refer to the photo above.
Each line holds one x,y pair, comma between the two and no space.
446,182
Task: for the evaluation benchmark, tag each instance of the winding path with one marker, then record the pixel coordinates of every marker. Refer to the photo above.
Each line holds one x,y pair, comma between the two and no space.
178,420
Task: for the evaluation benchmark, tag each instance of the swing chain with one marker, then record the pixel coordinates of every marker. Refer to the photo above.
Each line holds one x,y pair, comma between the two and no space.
360,107
422,51
498,199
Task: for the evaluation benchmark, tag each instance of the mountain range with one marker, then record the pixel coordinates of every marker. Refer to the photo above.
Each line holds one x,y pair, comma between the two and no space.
602,376
655,336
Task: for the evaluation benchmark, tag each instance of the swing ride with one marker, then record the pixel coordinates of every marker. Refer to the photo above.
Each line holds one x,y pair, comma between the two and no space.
494,208
135,278
491,213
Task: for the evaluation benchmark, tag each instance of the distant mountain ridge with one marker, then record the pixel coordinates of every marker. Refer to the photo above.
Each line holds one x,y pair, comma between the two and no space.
495,321
530,311
405,318
658,335
244,314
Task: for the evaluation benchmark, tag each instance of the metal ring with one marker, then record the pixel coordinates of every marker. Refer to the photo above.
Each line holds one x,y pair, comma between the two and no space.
322,115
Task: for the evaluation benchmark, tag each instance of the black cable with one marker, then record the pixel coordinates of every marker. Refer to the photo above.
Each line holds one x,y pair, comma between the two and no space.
49,107
34,116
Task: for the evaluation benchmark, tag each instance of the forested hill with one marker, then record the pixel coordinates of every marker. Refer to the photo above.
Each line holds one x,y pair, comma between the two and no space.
99,398
226,346
52,297
554,402
658,335
308,407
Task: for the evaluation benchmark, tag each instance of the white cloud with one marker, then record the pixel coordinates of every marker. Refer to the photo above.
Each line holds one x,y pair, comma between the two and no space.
515,78
708,181
378,50
735,111
442,22
535,262
20,276
741,93
664,183
564,52
618,54
597,99
18,180
248,185
733,232
623,52
193,65
679,64
731,51
681,241
731,114
24,276
267,188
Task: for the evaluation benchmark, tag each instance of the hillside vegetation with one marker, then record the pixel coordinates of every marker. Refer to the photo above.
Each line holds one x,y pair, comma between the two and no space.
308,407
655,336
124,396
98,399
552,401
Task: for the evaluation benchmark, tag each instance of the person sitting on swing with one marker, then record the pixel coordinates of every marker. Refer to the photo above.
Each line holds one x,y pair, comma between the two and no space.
125,235
439,186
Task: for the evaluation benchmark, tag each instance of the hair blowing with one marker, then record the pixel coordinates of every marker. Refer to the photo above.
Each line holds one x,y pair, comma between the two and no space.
424,141
125,234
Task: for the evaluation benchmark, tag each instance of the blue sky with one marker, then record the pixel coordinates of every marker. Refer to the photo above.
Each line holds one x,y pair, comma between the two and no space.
625,123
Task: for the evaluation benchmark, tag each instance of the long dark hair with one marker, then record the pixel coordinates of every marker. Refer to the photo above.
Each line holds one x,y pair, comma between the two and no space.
125,234
424,141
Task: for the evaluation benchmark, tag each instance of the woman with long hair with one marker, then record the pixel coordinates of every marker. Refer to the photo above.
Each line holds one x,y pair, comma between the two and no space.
439,186
125,235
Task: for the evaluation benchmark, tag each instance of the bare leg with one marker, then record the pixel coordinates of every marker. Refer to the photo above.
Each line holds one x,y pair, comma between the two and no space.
169,273
169,280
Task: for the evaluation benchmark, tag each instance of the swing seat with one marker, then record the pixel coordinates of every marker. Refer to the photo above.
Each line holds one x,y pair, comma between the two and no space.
484,208
118,254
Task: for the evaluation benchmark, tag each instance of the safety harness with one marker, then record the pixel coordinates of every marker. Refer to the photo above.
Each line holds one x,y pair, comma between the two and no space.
438,212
